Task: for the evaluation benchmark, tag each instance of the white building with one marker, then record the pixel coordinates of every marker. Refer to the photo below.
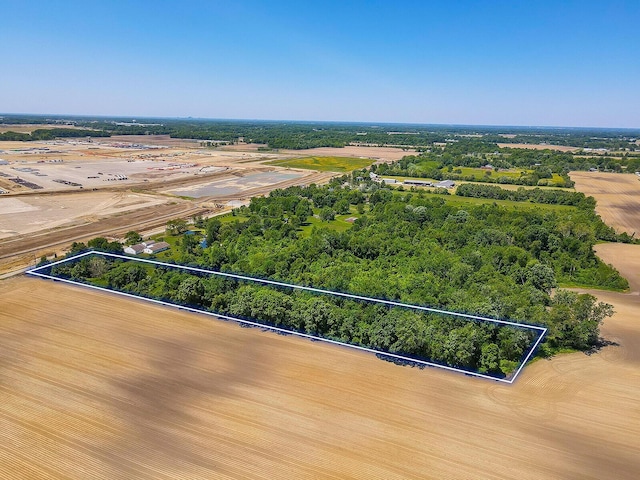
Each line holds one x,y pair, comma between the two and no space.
156,247
134,249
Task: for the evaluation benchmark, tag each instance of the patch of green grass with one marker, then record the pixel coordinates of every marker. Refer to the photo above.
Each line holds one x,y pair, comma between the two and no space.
325,164
557,179
229,218
480,173
339,224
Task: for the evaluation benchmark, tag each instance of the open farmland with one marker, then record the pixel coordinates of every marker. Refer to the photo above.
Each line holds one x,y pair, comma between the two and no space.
531,146
379,154
90,391
618,197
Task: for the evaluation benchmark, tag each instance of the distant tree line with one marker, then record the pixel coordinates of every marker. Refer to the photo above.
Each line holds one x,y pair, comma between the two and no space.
535,195
51,134
300,135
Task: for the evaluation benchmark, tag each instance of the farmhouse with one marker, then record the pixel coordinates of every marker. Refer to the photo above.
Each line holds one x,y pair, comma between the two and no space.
157,247
134,249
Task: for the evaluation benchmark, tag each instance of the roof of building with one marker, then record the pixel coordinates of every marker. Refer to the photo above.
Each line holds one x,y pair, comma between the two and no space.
137,248
157,247
416,182
445,184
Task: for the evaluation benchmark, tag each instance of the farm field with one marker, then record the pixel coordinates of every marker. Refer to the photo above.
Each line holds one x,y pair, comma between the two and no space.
88,391
560,148
380,154
618,197
324,164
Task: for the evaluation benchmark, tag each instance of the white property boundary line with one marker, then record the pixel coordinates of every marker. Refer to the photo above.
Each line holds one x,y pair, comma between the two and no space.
36,271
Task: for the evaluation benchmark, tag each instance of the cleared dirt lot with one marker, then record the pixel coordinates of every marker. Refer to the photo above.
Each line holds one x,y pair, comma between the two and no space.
55,192
97,386
28,214
618,197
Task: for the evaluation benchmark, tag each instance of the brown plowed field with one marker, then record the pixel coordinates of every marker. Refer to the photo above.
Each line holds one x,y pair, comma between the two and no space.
96,386
529,146
618,197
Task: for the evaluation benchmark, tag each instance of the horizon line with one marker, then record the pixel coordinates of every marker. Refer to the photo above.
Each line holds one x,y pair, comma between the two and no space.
352,122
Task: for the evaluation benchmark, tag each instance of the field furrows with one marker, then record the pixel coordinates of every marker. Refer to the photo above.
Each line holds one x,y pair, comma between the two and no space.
618,197
97,386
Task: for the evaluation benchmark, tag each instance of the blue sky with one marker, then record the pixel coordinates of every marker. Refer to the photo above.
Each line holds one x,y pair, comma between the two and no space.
557,63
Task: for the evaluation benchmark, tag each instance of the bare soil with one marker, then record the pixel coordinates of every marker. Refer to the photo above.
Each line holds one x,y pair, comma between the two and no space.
626,259
618,197
561,148
93,385
383,154
29,214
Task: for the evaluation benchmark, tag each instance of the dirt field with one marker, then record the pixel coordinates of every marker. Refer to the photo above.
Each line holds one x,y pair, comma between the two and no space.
55,192
97,386
28,214
383,154
618,197
626,258
561,148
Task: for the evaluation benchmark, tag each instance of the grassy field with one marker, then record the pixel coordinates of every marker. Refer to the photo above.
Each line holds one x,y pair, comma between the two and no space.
339,224
325,164
481,174
455,200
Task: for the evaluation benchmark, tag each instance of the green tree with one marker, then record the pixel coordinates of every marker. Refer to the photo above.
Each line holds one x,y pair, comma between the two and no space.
132,237
327,214
490,358
176,226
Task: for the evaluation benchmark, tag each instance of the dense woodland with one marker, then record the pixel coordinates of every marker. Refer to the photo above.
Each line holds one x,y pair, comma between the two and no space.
492,260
